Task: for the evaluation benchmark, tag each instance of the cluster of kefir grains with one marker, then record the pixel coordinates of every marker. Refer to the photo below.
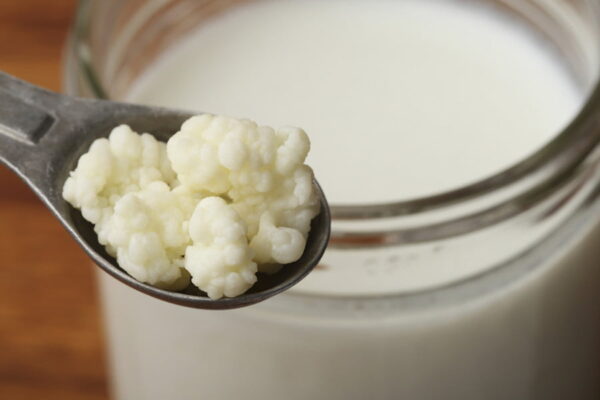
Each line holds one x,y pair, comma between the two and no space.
223,199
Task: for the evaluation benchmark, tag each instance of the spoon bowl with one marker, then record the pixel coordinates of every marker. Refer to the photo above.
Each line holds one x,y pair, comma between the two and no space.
42,136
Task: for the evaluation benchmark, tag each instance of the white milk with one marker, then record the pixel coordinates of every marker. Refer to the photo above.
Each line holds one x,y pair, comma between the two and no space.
401,99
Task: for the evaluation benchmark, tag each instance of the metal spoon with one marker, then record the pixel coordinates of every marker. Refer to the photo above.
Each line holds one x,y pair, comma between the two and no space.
43,134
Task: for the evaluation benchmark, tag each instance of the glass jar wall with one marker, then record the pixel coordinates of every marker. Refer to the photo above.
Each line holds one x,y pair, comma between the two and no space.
483,288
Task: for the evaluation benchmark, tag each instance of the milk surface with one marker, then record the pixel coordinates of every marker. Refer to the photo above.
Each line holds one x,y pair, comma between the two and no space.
400,98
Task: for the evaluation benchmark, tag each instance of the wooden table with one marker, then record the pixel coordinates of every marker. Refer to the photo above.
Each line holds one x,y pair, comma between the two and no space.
50,332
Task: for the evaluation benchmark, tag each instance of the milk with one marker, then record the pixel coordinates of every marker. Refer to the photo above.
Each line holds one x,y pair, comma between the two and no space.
439,94
401,99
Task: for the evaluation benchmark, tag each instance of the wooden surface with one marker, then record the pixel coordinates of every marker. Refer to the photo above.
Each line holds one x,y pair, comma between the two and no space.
50,333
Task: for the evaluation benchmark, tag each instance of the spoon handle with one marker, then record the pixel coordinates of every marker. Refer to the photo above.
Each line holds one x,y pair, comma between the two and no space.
43,133
38,128
27,113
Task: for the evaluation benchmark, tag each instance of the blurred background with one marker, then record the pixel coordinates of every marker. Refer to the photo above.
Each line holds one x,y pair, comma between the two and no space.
50,333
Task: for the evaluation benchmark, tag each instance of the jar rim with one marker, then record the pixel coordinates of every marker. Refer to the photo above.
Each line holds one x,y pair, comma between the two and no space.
552,151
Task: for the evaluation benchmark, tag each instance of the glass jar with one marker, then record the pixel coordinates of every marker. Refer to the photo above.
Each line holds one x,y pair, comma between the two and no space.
519,318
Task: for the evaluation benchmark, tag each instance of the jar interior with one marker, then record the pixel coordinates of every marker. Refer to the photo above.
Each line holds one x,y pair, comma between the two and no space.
402,99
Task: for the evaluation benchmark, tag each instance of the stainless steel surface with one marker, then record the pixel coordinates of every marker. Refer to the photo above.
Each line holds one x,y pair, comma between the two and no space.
43,134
